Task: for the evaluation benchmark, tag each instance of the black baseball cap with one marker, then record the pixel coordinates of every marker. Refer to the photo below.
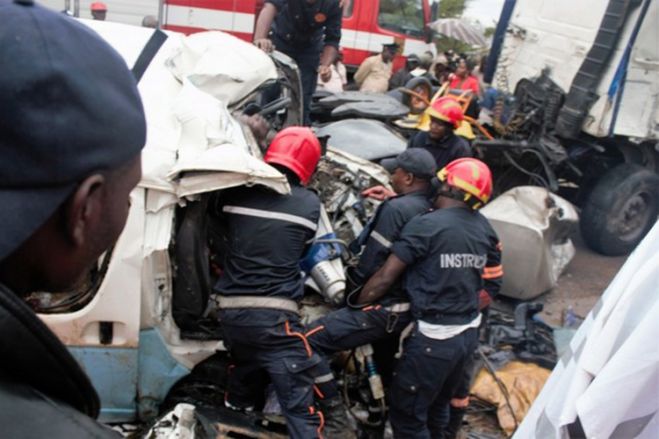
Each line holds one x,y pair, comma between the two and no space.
416,161
392,47
69,106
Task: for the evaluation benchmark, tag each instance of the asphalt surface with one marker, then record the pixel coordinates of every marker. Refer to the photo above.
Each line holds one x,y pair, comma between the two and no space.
581,284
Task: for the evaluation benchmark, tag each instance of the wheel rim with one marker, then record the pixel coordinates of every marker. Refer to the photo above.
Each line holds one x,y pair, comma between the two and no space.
630,221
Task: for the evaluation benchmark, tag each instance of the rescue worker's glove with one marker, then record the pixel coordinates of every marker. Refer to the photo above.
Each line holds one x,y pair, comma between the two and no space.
484,300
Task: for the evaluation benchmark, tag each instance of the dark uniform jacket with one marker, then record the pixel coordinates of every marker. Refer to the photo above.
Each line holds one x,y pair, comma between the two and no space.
301,25
385,228
450,148
268,233
451,255
43,391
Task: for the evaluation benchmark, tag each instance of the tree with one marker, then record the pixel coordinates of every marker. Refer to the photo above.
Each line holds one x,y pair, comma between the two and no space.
452,8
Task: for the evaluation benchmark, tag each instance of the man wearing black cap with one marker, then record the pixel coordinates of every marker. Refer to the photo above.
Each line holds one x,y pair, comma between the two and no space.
71,131
349,327
400,78
375,71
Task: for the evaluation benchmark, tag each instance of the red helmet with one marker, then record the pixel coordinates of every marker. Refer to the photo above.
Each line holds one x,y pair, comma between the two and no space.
448,110
470,176
296,148
99,6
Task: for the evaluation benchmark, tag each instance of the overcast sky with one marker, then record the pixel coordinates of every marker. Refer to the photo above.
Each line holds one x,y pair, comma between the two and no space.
486,11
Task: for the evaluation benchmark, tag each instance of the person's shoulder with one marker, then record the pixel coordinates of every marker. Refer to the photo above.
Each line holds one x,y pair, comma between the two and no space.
333,7
420,139
408,201
28,413
305,195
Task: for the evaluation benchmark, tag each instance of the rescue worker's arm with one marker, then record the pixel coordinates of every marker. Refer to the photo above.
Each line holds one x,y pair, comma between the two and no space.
363,70
378,285
379,193
412,245
332,40
263,23
492,273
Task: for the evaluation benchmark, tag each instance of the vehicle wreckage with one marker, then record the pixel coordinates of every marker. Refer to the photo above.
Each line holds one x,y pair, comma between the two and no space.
142,324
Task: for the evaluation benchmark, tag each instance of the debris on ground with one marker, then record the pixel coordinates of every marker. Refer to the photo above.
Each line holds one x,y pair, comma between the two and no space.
512,389
534,226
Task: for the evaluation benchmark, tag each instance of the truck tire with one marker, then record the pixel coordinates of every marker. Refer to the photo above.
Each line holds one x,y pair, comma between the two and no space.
621,208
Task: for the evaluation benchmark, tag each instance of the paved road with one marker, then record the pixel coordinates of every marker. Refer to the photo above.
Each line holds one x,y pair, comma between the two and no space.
582,283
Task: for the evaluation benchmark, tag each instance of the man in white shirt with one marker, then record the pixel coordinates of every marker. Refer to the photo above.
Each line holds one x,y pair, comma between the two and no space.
374,72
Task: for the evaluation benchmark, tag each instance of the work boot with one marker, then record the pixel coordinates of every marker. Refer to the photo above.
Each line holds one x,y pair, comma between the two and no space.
337,424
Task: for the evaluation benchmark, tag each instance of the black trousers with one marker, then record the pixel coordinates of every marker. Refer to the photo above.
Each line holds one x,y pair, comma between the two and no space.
348,328
424,382
286,356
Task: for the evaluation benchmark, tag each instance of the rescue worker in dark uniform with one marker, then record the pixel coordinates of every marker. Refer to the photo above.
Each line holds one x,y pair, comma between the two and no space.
268,234
448,256
440,140
348,328
309,31
72,128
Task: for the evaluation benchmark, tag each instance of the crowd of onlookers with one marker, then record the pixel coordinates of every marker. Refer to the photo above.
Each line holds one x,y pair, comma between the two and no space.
376,74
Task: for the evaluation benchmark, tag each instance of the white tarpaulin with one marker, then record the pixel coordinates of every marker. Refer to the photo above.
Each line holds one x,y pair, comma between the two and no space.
609,377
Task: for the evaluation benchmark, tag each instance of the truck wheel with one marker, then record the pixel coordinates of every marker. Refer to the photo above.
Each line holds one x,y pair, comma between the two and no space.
622,207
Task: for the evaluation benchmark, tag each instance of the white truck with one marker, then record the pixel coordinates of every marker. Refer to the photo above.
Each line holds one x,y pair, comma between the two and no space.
584,120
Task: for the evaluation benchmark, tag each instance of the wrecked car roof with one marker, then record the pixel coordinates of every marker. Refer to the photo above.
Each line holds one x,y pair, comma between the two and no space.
194,144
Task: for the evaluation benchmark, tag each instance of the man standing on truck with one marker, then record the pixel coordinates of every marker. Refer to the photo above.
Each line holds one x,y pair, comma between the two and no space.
440,140
309,31
374,73
71,131
267,234
448,256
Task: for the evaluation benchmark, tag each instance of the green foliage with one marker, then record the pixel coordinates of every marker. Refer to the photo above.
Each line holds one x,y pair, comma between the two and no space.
489,31
444,43
451,8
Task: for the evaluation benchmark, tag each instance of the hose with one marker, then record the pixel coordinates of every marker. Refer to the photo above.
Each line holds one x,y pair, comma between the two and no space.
346,397
502,387
538,178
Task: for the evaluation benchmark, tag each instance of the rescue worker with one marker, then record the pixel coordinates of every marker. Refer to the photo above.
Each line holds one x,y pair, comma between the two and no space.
309,31
374,73
440,140
99,10
71,131
348,328
267,235
448,256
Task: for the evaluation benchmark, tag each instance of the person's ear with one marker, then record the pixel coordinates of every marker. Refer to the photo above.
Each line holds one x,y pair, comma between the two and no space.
409,179
84,208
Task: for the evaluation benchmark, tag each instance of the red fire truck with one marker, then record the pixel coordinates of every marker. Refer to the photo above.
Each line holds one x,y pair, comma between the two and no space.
367,24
